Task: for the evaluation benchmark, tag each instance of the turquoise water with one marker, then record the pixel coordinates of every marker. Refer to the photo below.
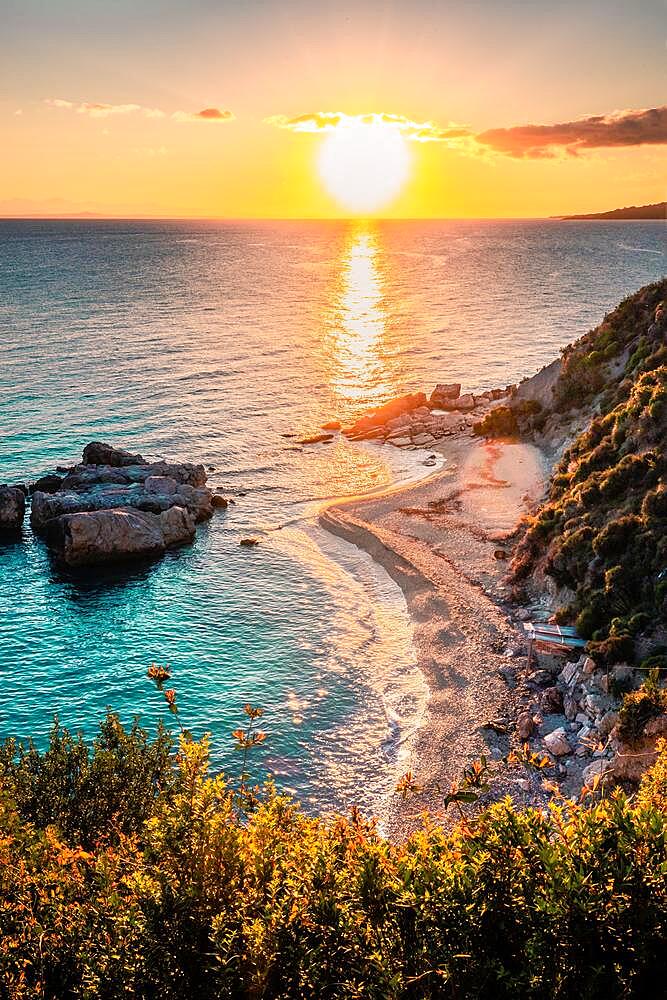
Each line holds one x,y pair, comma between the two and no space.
207,342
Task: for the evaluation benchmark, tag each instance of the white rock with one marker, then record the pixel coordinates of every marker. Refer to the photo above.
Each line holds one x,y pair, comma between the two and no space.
557,743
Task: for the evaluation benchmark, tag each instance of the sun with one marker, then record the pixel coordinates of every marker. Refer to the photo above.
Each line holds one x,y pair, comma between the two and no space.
364,165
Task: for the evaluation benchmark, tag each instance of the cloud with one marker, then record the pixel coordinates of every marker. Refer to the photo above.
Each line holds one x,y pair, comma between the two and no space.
106,110
94,110
206,115
618,129
647,126
327,121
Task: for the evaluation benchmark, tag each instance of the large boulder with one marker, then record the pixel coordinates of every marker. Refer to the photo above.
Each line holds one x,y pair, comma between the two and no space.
88,538
445,393
164,493
98,453
12,509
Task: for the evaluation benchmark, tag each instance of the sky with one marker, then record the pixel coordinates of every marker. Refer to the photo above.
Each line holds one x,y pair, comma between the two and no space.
524,108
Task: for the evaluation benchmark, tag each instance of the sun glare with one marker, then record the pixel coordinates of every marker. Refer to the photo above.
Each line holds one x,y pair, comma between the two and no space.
363,165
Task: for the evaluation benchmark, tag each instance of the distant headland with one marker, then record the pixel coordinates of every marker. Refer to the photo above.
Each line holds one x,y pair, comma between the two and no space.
657,211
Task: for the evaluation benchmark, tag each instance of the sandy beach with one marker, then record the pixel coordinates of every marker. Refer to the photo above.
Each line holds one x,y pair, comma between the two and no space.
443,541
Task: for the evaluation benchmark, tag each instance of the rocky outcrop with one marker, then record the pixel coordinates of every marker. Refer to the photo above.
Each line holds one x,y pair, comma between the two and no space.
47,506
140,508
444,393
12,509
97,453
411,421
84,539
378,418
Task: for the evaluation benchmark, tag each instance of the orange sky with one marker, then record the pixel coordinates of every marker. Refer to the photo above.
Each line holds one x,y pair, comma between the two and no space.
154,109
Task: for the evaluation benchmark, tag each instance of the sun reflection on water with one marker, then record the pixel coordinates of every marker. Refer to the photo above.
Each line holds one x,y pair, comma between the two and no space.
358,324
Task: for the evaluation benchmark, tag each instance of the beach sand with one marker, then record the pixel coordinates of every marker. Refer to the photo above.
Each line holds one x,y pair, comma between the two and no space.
437,541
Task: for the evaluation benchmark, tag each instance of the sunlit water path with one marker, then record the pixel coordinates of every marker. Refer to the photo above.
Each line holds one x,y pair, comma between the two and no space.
209,342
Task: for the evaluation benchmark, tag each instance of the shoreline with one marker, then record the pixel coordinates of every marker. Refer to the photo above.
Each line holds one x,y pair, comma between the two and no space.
436,539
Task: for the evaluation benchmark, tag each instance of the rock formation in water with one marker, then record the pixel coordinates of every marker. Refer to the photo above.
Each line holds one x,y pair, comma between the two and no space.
116,505
12,509
413,421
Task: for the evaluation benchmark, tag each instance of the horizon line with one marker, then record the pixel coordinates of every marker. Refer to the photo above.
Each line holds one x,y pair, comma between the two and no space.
102,217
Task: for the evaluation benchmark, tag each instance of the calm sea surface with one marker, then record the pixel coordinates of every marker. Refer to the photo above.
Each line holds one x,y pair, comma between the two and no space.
207,342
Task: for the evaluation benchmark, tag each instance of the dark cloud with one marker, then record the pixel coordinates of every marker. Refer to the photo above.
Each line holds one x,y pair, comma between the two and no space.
621,129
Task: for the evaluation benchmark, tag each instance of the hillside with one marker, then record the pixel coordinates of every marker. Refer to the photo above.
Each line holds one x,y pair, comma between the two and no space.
599,541
657,211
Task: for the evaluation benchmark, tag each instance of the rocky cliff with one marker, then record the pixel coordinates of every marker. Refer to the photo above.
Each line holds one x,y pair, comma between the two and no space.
600,537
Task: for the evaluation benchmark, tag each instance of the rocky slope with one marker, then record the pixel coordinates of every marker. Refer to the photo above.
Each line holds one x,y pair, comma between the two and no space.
596,547
600,538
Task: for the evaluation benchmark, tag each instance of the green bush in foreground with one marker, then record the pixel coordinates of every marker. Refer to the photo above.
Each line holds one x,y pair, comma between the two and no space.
196,889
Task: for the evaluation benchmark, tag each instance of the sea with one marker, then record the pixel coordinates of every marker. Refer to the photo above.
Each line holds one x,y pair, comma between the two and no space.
213,342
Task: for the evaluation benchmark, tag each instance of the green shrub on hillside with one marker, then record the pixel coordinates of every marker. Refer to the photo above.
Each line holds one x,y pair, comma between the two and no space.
510,421
640,706
186,895
603,530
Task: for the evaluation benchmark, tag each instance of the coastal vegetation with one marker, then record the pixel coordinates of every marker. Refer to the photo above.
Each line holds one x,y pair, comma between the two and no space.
129,869
601,535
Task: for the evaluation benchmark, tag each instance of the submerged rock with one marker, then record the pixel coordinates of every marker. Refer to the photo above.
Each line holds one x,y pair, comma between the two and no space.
12,509
317,439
